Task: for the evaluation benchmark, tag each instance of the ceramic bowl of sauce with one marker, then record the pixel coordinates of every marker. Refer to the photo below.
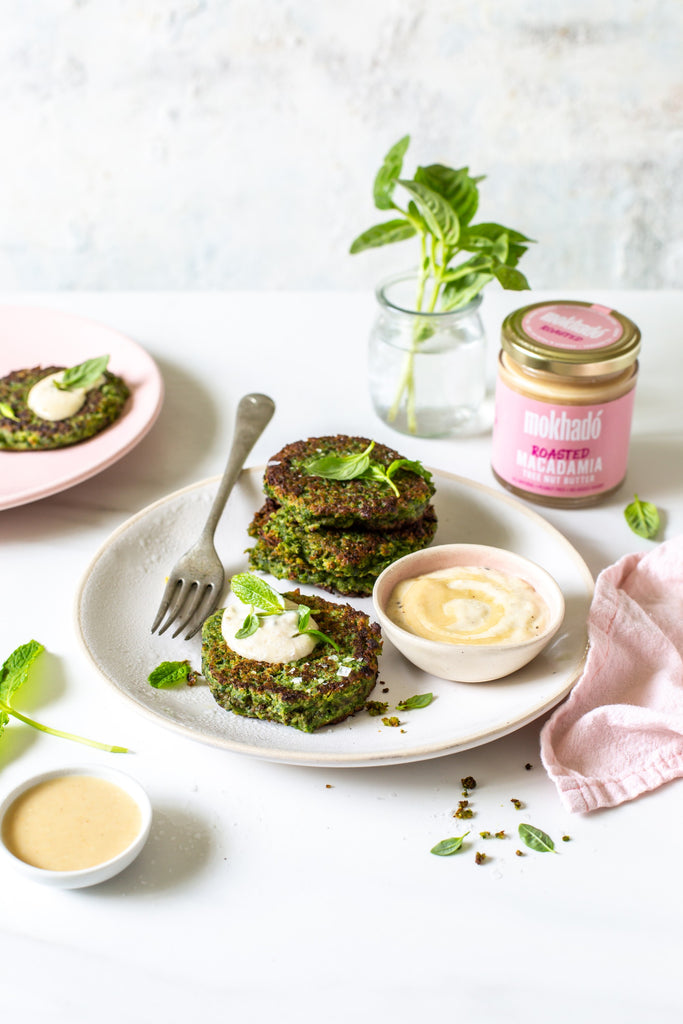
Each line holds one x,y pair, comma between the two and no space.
74,827
468,612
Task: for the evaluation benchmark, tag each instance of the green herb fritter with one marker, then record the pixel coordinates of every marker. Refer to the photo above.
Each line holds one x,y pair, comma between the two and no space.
25,431
284,565
334,555
367,503
323,688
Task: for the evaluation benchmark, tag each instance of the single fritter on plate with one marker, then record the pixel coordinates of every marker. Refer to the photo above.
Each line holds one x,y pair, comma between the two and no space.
323,688
344,561
29,432
318,501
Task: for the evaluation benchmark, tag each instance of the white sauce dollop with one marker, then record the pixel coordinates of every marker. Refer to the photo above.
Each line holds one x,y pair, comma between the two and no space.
275,641
51,403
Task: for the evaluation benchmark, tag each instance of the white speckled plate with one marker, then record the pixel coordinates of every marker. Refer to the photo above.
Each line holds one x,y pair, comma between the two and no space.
43,337
122,587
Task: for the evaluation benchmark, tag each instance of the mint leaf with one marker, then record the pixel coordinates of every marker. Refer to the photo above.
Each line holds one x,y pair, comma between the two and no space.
84,375
253,590
168,673
248,627
643,518
447,847
339,467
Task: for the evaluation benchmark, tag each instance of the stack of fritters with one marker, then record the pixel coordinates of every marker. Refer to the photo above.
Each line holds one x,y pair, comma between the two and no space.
338,534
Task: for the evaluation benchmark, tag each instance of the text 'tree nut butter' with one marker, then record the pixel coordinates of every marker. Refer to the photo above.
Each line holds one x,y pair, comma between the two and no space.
564,401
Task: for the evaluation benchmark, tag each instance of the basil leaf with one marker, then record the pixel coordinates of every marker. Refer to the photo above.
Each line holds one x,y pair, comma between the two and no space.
7,411
376,471
339,467
457,294
383,234
456,187
535,839
447,847
248,627
412,465
510,279
420,700
168,673
251,589
385,180
439,215
643,518
84,375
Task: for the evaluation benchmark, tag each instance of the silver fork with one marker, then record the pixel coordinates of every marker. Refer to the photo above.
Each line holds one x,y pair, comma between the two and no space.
196,581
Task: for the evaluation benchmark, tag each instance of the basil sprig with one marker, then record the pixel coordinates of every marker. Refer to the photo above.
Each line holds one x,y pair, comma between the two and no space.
13,674
84,375
643,518
264,600
419,700
359,466
457,258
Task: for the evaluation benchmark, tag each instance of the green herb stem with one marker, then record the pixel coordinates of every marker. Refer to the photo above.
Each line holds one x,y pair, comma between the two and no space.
57,732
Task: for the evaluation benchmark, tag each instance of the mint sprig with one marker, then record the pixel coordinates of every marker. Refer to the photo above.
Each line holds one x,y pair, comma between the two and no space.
13,675
264,600
83,375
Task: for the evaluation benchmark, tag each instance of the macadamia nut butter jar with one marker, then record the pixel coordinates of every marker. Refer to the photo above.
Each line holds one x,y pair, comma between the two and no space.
564,400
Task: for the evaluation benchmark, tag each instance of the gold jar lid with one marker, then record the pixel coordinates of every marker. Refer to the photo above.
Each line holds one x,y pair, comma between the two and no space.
573,339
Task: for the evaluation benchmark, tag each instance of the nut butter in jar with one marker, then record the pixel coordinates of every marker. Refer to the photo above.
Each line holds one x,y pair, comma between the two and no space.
564,400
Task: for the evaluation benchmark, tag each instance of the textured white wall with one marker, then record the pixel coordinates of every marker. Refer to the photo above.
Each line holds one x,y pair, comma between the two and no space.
151,144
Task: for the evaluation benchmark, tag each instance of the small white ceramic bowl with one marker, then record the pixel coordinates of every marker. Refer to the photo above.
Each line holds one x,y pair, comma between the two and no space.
467,663
98,872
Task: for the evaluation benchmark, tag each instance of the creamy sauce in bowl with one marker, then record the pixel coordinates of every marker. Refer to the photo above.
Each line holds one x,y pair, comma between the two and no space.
71,822
469,605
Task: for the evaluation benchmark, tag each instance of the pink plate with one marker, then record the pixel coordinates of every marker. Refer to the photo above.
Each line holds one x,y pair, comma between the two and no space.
41,337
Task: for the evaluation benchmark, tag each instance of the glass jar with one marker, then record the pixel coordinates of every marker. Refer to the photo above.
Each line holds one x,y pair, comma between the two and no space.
564,401
427,371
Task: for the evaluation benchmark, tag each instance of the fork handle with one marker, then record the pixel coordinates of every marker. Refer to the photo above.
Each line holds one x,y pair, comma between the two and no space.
254,412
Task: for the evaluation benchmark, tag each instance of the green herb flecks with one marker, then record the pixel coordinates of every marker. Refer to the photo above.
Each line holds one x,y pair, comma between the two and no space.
169,673
13,674
264,600
359,466
84,375
447,847
643,518
420,700
457,258
536,839
375,708
7,411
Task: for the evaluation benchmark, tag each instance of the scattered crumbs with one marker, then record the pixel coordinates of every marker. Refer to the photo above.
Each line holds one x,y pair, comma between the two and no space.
391,721
192,677
501,834
468,783
519,853
376,707
328,785
486,835
385,689
517,804
479,858
402,730
464,810
566,839
528,766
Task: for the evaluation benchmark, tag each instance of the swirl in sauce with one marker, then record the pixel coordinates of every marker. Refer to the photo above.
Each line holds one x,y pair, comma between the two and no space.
468,605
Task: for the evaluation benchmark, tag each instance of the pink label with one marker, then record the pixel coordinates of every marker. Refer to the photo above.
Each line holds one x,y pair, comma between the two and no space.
560,450
575,327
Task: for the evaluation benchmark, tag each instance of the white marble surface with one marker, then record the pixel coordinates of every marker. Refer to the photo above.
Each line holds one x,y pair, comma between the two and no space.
269,891
190,144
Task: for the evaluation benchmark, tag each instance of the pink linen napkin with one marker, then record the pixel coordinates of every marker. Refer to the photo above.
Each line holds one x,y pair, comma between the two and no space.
620,731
